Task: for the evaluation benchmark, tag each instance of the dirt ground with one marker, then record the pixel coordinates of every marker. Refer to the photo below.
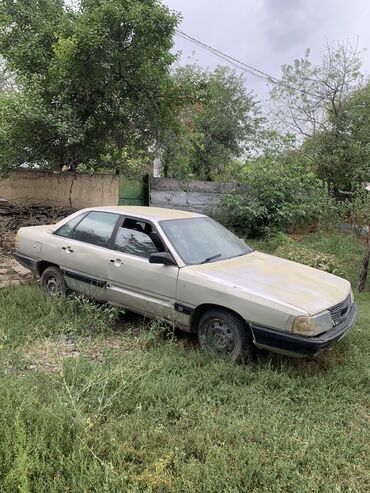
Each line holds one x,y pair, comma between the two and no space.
13,217
12,273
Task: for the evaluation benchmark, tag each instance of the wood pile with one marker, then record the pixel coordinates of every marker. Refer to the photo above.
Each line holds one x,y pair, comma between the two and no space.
13,217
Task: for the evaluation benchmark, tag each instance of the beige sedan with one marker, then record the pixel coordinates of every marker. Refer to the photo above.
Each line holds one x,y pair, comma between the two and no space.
188,269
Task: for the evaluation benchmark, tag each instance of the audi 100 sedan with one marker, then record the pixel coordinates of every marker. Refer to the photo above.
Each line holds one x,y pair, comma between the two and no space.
187,268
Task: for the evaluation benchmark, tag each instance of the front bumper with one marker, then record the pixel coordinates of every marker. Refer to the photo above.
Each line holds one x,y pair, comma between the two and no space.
299,346
27,262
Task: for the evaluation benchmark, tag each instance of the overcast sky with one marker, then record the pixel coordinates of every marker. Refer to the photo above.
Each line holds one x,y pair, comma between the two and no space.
268,33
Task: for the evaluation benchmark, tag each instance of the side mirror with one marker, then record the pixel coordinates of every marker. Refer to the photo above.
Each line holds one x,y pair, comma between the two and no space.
163,258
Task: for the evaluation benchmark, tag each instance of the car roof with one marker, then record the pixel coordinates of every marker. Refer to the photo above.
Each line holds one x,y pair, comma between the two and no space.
151,213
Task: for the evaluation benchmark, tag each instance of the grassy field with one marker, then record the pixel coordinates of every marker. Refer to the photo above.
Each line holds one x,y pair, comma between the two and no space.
95,401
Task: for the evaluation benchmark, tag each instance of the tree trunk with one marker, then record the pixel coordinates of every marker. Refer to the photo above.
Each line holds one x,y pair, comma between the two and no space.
365,265
166,167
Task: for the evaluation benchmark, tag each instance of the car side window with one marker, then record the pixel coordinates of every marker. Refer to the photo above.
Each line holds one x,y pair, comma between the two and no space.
96,228
134,243
68,227
138,238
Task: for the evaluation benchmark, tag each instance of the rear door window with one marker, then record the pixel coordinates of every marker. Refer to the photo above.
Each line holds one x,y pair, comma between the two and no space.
96,228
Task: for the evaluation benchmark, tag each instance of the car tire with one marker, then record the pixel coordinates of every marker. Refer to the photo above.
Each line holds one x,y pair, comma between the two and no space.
52,283
223,331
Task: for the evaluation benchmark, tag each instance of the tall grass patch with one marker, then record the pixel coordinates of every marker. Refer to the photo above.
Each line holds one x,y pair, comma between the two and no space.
164,417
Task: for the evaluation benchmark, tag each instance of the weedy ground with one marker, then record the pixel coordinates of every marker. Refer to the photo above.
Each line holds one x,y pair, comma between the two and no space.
95,401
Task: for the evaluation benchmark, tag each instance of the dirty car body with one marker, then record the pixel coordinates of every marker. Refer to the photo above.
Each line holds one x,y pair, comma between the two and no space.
180,266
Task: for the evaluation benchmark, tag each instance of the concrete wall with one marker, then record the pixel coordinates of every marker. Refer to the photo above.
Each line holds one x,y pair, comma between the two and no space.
196,196
30,187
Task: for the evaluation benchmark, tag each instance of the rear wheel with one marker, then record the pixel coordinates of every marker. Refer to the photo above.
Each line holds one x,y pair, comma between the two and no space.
52,283
223,331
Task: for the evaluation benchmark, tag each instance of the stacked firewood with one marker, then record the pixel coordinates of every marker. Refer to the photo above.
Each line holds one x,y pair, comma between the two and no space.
13,217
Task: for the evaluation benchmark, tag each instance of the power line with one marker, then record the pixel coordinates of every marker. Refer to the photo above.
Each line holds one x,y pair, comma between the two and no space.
241,65
225,59
222,55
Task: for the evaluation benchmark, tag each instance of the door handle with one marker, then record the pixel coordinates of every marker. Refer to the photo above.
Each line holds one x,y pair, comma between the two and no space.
116,261
67,249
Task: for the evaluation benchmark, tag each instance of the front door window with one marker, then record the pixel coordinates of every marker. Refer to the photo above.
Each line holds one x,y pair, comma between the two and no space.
138,238
134,243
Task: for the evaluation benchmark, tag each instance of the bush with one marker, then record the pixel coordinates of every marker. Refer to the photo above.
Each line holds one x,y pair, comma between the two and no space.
280,198
322,261
281,245
356,209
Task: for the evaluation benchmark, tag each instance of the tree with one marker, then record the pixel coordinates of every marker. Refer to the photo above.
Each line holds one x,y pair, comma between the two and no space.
218,120
6,78
354,146
95,80
280,197
310,101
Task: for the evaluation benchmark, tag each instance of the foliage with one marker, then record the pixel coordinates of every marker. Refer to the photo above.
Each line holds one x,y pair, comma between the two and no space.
279,197
292,249
353,148
6,78
217,123
95,80
272,239
131,162
322,261
120,415
311,103
355,210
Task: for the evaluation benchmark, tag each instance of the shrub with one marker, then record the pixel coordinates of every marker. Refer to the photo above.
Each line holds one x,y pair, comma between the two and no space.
280,198
322,261
356,209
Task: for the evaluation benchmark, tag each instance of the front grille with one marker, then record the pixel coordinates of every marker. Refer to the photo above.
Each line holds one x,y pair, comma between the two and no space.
340,311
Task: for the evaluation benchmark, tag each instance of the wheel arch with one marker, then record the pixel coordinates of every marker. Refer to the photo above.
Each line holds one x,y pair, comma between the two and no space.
43,265
201,309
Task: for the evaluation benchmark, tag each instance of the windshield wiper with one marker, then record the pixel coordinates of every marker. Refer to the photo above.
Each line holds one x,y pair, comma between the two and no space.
208,259
244,253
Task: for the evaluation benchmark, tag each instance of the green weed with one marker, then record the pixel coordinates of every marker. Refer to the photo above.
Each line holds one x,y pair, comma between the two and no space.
153,413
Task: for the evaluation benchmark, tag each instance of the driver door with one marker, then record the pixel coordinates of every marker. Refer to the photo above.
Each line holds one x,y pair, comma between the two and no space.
135,283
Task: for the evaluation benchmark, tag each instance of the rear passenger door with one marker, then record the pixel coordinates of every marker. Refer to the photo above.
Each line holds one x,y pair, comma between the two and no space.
133,282
85,252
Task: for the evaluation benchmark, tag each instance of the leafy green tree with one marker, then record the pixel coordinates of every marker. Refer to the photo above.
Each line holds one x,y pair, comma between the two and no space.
354,145
95,80
281,197
344,150
218,122
7,83
310,102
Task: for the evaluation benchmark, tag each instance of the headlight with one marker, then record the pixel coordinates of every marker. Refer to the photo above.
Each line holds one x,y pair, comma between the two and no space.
312,326
303,326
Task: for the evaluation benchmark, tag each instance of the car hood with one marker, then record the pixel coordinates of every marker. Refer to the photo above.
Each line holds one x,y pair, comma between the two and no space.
278,280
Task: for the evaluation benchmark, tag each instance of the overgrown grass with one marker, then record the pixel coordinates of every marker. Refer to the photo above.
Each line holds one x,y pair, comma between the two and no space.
152,413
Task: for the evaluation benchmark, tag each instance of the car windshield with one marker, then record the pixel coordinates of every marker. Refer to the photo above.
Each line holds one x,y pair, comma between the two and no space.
201,239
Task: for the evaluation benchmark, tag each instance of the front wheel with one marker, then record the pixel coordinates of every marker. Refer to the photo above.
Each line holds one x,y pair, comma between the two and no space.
226,333
52,283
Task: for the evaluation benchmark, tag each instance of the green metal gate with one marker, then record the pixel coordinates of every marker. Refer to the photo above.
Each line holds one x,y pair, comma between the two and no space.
133,191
